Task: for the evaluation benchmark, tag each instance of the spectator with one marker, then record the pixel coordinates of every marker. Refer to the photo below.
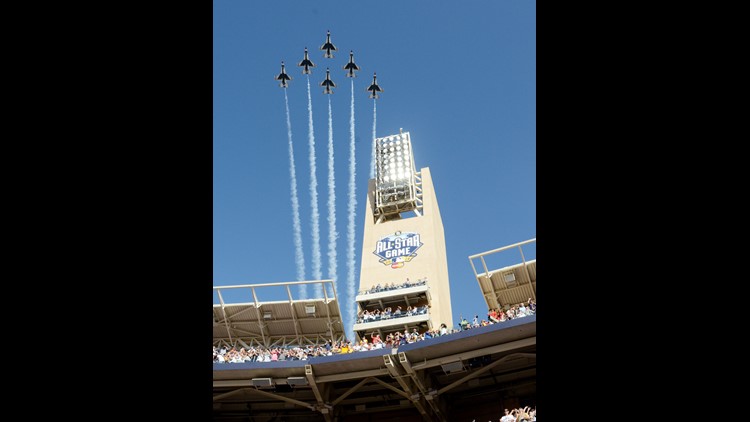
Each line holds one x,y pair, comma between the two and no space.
522,415
501,315
492,316
464,324
508,417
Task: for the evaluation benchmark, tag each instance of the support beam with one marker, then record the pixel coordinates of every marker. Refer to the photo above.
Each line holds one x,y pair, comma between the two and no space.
329,323
278,340
257,313
282,283
312,318
404,361
503,248
394,371
240,330
319,397
226,321
278,397
528,274
484,369
294,314
351,375
350,391
232,383
225,395
392,388
229,317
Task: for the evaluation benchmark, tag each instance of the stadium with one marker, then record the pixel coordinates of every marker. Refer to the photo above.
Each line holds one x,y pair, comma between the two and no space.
291,359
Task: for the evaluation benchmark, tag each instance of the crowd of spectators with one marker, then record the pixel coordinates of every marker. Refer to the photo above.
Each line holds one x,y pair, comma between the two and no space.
387,313
497,315
272,354
521,414
262,354
525,414
393,286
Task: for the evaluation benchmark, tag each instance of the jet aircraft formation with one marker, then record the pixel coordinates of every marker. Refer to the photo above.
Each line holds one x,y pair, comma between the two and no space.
327,83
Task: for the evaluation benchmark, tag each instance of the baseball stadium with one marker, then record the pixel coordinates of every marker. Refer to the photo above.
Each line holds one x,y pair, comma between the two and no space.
405,358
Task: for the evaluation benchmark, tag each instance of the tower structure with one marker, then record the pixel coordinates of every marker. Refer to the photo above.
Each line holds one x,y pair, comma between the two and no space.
404,260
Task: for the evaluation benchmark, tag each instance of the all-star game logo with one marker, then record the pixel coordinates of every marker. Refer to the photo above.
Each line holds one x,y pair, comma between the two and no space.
398,248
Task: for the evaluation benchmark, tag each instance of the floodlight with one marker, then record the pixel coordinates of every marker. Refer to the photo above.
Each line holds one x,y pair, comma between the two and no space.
267,315
395,176
310,309
510,277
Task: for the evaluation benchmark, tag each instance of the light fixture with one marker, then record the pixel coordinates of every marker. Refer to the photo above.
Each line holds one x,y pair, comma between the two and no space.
267,315
296,381
510,277
395,170
310,309
263,382
453,367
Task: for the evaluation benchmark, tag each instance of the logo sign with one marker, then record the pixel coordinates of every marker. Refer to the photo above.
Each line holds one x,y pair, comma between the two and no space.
398,248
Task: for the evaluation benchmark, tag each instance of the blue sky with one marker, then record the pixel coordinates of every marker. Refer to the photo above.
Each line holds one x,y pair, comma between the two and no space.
461,78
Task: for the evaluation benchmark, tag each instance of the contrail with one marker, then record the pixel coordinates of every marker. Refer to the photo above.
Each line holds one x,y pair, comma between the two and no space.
374,120
315,219
299,256
332,235
350,307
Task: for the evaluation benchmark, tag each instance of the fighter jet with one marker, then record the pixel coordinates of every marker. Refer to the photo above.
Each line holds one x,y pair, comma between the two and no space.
306,63
283,77
328,47
328,83
351,67
374,88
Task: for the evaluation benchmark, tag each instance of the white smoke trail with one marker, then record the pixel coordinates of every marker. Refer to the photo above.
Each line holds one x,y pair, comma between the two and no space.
299,257
374,120
332,234
350,302
315,218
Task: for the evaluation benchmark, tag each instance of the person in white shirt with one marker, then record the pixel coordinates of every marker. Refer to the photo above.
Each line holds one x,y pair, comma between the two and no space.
508,417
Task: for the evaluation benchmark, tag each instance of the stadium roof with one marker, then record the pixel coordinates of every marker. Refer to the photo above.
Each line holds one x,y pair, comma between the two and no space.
509,284
270,323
